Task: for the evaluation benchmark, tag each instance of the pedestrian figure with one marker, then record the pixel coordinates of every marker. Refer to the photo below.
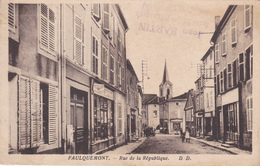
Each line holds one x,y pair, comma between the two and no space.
181,132
187,135
183,136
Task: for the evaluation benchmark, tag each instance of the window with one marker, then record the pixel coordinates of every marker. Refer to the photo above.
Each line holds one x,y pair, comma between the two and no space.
133,122
233,32
155,114
221,82
106,18
78,40
210,71
211,98
247,17
218,85
241,67
112,32
201,101
216,53
119,41
104,63
249,63
207,96
122,77
112,69
235,73
47,29
95,55
232,117
96,11
11,17
119,70
224,44
249,112
225,79
229,76
119,119
103,118
37,113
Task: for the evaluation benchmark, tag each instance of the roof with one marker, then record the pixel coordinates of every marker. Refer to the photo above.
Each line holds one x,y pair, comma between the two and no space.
223,21
122,17
131,68
190,103
150,99
207,53
182,96
165,74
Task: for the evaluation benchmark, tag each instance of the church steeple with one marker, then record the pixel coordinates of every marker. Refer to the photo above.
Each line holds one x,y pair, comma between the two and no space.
165,74
165,87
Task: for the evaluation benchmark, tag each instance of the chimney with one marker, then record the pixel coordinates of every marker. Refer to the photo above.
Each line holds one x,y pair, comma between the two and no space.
217,21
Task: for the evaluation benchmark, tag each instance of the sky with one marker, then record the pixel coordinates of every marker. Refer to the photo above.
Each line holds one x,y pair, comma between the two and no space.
169,30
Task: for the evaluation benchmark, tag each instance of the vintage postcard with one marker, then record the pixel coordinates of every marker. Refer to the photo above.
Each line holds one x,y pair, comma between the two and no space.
142,82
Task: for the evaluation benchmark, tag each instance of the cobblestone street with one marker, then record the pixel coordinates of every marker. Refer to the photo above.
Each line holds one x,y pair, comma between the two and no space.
171,144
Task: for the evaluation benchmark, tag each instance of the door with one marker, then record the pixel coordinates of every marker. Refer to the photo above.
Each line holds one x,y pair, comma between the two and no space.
78,117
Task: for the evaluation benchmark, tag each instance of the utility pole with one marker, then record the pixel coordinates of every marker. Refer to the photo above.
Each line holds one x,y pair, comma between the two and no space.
144,72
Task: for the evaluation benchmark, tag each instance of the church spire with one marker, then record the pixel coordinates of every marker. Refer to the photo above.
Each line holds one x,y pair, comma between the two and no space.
165,74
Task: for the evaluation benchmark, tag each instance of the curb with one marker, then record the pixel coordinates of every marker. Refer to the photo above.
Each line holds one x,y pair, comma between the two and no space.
224,149
137,146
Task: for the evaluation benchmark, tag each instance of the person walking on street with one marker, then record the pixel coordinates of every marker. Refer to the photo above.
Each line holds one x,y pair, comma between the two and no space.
187,134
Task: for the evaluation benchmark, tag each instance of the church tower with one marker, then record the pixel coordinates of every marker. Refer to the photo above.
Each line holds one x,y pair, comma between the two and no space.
165,88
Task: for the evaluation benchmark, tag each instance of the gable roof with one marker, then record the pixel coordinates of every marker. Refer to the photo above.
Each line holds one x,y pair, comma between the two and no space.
150,99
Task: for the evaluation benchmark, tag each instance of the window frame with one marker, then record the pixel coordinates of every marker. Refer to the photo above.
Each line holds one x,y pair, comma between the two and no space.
95,54
224,43
240,64
106,29
235,29
104,68
229,76
81,41
249,111
246,28
217,53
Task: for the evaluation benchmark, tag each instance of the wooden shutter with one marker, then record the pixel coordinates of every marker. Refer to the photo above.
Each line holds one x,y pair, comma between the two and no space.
44,27
24,114
95,10
53,107
78,36
106,18
11,16
36,119
51,30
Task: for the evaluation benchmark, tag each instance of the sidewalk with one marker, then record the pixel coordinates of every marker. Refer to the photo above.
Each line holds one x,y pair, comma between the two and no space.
126,149
233,150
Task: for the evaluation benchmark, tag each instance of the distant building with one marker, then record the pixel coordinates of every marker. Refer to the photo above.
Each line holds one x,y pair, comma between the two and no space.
150,110
190,108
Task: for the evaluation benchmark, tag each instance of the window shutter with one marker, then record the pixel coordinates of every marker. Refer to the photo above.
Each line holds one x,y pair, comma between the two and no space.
44,27
11,16
53,99
35,113
24,113
106,18
95,10
78,36
51,31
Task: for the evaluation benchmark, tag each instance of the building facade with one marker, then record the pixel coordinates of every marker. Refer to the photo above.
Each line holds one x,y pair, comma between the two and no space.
190,107
233,43
67,72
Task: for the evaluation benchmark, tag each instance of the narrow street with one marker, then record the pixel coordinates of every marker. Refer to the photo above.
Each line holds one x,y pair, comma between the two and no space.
171,144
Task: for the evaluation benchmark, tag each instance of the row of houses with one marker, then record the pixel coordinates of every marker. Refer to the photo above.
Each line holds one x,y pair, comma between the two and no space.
75,89
221,106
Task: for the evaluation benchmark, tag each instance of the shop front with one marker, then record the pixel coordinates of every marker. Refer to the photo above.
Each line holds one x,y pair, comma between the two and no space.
103,125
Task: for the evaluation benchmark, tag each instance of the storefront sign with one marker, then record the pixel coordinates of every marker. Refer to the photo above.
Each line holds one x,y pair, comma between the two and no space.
100,89
230,97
